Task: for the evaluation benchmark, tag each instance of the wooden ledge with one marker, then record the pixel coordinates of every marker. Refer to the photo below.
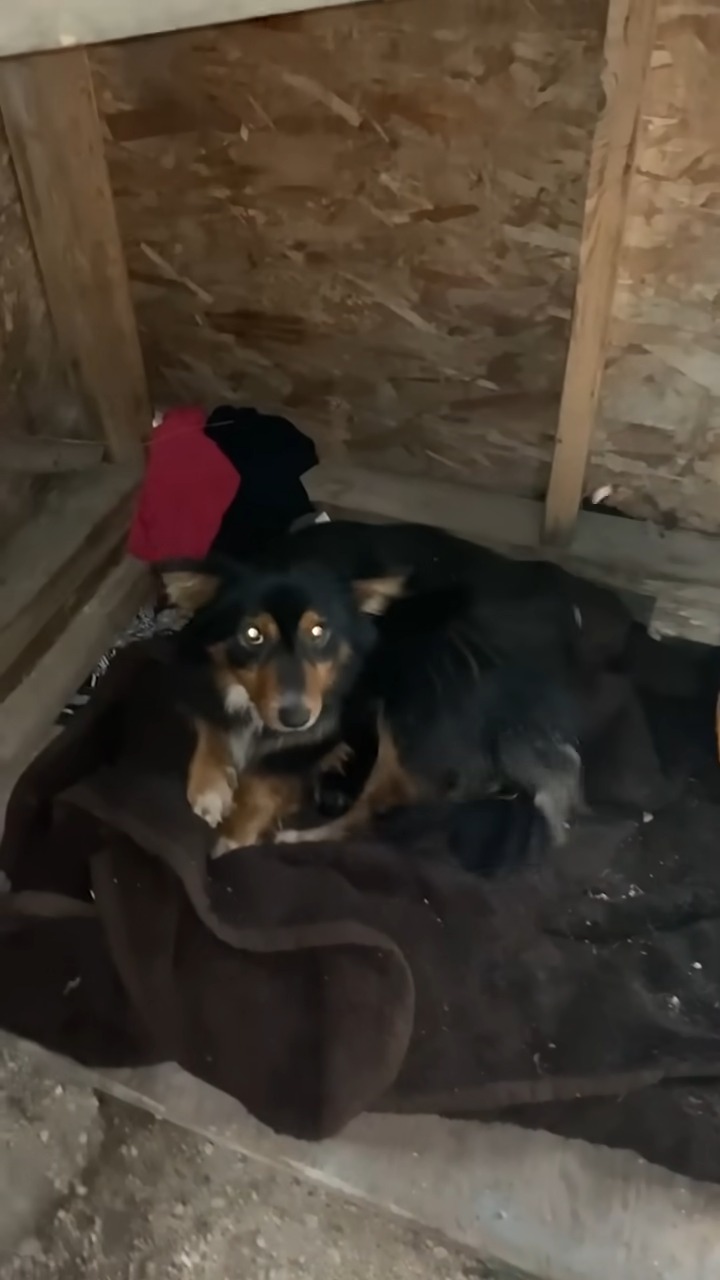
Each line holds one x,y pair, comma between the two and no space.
611,548
27,715
51,565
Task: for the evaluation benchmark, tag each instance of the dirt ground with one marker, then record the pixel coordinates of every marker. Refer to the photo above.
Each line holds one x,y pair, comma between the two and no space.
93,1188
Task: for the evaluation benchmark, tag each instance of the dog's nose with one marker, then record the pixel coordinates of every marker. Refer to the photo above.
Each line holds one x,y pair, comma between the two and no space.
293,715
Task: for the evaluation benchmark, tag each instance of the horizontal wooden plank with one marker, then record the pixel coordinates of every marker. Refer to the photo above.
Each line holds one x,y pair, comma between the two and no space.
609,547
58,605
41,455
482,517
36,25
74,531
28,714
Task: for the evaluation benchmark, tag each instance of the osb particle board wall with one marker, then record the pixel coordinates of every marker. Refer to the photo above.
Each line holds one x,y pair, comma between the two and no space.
658,440
35,395
367,218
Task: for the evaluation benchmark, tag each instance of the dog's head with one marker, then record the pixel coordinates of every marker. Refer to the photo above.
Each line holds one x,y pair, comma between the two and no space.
287,643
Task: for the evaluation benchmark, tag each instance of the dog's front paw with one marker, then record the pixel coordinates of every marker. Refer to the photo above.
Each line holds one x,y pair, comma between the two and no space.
214,803
288,835
223,845
337,759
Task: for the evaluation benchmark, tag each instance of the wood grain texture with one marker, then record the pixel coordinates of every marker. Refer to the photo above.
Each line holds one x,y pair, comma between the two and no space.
658,437
41,455
48,106
628,49
366,218
36,392
28,713
81,524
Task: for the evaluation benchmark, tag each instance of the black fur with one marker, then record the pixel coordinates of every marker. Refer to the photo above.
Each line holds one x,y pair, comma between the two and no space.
473,669
476,669
464,725
526,611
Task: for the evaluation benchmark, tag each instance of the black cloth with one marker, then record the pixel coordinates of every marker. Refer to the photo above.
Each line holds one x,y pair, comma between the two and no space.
271,455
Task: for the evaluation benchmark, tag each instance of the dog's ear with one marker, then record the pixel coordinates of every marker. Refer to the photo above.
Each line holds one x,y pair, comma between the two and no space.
375,595
189,584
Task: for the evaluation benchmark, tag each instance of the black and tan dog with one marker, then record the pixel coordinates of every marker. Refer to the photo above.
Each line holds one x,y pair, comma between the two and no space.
477,679
265,662
462,664
453,726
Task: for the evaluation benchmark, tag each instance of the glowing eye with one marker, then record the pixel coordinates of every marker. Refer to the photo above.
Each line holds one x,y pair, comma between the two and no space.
318,631
254,636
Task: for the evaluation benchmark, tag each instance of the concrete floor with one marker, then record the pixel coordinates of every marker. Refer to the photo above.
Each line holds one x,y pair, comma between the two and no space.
139,1167
92,1187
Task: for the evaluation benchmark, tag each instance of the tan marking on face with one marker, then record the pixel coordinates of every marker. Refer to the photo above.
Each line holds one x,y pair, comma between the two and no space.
260,684
309,620
263,689
320,678
265,624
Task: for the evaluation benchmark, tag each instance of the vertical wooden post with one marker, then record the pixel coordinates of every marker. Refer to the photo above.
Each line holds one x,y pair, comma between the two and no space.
628,49
48,105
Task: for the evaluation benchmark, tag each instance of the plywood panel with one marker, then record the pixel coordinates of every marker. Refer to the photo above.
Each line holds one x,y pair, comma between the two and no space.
368,218
658,441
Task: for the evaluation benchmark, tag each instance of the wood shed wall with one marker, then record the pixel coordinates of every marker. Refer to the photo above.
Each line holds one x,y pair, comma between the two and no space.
35,392
367,218
658,439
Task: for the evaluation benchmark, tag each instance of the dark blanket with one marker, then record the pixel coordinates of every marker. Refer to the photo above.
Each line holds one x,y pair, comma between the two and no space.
579,991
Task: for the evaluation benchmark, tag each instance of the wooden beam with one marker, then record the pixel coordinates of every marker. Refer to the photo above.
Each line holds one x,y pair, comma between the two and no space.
32,25
670,580
611,548
628,49
42,456
28,714
51,119
44,569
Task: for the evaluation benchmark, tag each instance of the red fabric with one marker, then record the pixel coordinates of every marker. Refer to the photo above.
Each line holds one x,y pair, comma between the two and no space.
188,486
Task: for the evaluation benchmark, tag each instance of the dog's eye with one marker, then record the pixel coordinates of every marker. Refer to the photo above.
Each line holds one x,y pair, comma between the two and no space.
318,632
253,635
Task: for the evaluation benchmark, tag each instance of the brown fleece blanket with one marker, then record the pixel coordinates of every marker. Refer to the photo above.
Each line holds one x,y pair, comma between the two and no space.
578,991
